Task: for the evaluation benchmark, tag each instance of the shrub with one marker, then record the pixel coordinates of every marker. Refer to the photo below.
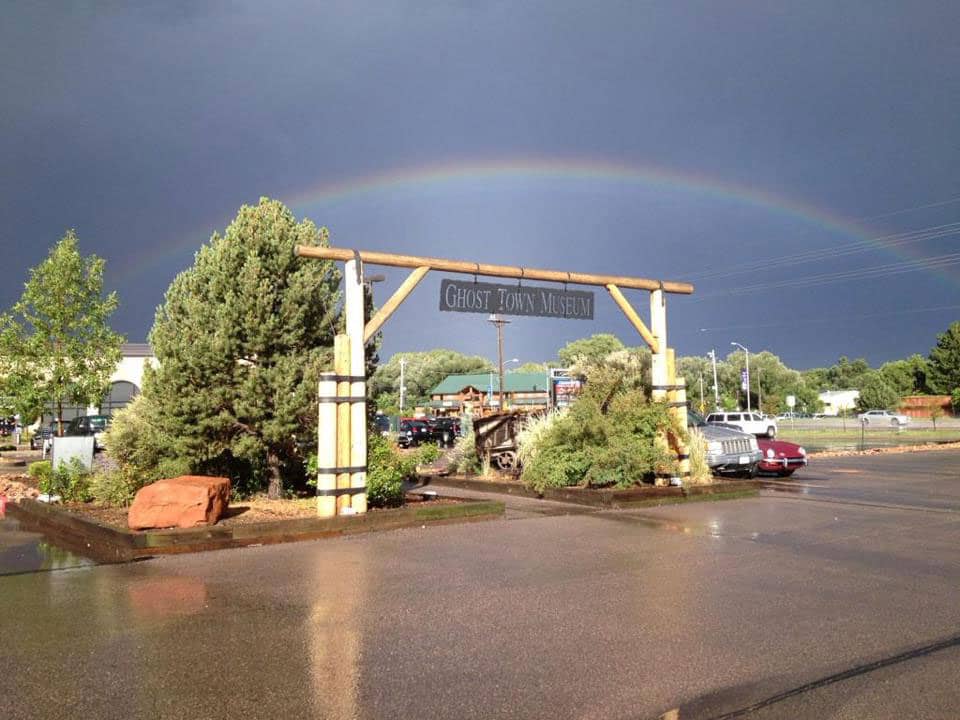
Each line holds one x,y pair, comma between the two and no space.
532,432
142,452
387,468
610,436
71,481
700,473
112,488
463,457
955,401
42,472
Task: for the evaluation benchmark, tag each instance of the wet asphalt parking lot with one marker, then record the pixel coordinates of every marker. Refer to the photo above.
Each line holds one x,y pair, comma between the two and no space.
834,596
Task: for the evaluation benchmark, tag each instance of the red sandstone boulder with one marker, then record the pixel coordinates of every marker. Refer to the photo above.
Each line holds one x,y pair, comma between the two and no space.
185,501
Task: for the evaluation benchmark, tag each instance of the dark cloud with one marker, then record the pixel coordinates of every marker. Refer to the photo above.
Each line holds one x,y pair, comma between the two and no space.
146,127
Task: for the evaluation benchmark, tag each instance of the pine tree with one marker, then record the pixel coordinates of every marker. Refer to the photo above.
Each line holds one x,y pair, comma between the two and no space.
56,345
241,339
943,374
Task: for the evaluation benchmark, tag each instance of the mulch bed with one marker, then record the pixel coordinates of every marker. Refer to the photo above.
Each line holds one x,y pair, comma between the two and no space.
246,512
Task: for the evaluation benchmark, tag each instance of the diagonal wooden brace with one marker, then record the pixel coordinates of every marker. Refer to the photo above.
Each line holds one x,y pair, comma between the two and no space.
621,300
384,313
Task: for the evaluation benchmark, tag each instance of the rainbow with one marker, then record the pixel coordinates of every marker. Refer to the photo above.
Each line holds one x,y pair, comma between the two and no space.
541,169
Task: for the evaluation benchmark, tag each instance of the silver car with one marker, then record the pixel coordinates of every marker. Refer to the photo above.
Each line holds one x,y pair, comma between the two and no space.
729,451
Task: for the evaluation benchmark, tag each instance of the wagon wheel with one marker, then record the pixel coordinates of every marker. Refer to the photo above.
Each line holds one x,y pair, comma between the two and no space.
506,460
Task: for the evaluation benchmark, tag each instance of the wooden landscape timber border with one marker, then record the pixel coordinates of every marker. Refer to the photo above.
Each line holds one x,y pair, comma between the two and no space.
342,454
107,543
597,497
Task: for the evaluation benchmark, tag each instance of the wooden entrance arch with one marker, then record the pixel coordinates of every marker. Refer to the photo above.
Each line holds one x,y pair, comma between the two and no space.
342,455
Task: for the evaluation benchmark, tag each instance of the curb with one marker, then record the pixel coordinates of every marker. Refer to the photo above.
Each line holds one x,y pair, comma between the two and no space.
603,498
107,543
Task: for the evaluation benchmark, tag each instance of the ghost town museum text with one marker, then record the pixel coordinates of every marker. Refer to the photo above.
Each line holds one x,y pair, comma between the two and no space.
496,298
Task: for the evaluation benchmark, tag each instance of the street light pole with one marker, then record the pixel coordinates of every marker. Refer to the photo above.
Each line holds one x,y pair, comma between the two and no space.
716,390
747,356
403,388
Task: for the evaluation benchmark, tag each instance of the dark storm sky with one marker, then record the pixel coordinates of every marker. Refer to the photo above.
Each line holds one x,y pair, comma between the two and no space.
760,143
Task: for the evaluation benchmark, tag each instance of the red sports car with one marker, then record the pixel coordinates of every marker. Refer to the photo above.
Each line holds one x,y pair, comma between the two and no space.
779,457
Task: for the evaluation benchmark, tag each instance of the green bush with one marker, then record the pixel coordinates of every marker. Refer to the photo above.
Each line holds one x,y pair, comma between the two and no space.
955,401
142,452
611,436
387,468
7,448
112,488
463,458
428,453
71,481
42,472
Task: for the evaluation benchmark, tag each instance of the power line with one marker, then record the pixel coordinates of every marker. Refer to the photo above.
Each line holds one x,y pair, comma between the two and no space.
807,256
832,320
941,203
931,263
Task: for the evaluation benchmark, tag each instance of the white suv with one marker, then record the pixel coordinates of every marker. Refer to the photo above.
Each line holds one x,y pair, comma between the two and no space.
883,417
752,423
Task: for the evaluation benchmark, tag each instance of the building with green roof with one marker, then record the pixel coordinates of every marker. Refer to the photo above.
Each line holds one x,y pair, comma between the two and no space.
479,393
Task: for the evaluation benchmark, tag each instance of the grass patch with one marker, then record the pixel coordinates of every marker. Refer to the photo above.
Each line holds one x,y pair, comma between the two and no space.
701,497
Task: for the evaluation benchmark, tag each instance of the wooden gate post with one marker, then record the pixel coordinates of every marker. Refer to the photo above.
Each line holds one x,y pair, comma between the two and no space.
327,446
659,371
341,364
354,307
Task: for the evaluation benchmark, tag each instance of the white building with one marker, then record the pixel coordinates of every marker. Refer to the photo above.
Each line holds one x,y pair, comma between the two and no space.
836,401
125,383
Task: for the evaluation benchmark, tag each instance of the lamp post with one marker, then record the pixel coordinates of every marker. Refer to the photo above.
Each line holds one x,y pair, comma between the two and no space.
747,356
716,391
403,388
499,321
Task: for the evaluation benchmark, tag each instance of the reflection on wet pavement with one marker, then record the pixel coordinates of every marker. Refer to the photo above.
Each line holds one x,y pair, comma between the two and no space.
24,551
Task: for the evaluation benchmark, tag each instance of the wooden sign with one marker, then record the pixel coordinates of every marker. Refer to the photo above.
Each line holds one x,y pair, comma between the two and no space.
496,298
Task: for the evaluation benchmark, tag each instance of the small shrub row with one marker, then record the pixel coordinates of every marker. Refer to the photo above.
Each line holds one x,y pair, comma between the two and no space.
70,480
387,469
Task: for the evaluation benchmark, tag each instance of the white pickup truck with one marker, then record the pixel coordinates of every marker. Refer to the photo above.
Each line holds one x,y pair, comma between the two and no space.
752,423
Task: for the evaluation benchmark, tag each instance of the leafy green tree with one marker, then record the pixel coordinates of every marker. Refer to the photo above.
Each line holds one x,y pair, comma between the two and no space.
56,344
816,379
908,377
531,367
944,366
877,394
847,374
423,371
241,339
591,349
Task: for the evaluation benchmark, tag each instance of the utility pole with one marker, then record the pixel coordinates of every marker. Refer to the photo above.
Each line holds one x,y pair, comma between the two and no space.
499,321
701,392
716,391
403,388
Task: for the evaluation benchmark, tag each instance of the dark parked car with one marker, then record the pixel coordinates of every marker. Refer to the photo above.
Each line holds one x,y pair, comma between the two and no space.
43,435
780,457
444,429
413,432
382,424
87,425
